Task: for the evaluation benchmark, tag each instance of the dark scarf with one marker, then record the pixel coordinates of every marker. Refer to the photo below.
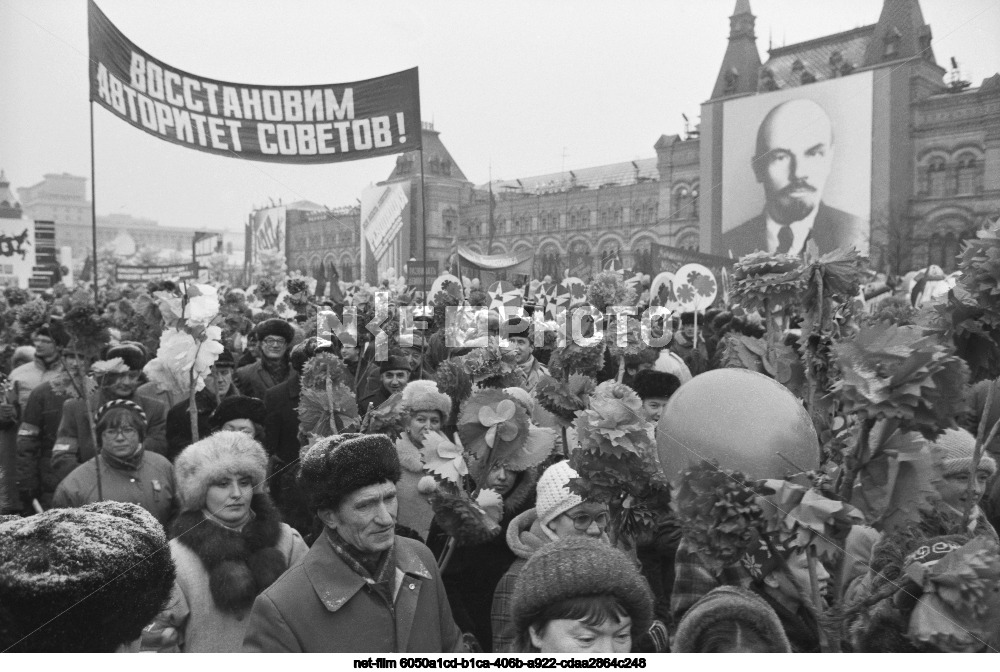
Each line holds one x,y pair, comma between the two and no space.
130,463
277,370
377,569
241,564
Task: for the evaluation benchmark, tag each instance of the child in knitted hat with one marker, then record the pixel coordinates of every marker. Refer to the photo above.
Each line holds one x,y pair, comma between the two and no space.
580,595
559,513
81,580
955,448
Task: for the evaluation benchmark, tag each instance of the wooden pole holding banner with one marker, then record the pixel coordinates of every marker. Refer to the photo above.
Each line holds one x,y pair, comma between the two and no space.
423,221
93,207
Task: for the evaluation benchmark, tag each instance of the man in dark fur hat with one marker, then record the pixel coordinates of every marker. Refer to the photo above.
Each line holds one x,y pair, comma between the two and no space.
360,588
275,337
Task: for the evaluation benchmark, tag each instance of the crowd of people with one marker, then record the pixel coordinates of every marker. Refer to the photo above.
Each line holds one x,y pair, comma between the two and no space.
513,497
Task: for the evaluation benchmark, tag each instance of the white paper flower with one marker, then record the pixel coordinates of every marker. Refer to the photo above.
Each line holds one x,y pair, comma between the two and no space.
116,365
201,309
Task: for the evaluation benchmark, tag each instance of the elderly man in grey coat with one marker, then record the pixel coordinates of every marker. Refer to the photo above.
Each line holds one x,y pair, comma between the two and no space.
360,588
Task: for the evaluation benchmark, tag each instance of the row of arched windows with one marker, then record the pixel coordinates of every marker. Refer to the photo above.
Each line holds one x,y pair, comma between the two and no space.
937,177
611,216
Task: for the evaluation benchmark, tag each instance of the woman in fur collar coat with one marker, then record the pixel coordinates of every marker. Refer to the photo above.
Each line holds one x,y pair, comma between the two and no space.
228,543
427,411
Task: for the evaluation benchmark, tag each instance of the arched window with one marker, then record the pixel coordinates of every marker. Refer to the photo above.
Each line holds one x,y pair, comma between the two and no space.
967,178
689,241
694,201
683,208
936,177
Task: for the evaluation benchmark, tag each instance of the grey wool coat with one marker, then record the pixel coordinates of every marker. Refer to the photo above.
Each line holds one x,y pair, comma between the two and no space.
321,605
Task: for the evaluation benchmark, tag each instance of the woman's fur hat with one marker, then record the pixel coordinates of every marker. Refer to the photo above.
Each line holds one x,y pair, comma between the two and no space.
218,455
423,395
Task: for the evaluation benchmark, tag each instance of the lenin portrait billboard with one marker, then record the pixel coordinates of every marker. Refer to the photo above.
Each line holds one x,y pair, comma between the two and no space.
796,167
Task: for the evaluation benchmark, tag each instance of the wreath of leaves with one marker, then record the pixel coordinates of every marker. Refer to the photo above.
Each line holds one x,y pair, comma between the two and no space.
322,367
608,288
565,398
718,512
892,371
761,278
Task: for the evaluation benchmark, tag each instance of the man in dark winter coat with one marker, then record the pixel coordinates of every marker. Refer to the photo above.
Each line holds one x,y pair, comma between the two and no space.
218,386
360,587
282,440
35,437
394,373
275,336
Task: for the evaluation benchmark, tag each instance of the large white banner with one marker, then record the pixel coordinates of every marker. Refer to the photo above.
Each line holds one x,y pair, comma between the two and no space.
383,210
17,251
267,232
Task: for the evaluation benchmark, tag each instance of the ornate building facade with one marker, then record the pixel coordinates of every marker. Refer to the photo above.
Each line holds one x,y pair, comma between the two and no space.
935,167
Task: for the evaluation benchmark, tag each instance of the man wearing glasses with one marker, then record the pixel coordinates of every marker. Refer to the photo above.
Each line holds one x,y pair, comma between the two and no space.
275,337
559,513
73,442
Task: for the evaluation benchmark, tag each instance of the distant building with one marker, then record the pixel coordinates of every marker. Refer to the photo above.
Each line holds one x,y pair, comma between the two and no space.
933,154
62,198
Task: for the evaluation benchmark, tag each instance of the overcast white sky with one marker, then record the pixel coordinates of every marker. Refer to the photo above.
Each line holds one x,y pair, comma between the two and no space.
527,87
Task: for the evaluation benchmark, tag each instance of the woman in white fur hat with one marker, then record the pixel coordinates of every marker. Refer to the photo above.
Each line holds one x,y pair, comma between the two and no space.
228,543
427,411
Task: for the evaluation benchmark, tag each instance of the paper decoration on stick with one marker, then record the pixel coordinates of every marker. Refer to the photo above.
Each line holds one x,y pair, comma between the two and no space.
695,287
661,291
504,296
454,287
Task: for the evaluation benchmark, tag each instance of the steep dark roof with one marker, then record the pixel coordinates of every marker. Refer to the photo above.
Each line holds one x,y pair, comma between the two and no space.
902,20
738,73
814,56
434,149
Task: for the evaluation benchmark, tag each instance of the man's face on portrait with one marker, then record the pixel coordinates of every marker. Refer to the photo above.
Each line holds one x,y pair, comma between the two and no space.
794,153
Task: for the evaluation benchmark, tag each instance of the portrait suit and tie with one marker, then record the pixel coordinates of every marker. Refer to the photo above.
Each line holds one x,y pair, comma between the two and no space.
794,153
